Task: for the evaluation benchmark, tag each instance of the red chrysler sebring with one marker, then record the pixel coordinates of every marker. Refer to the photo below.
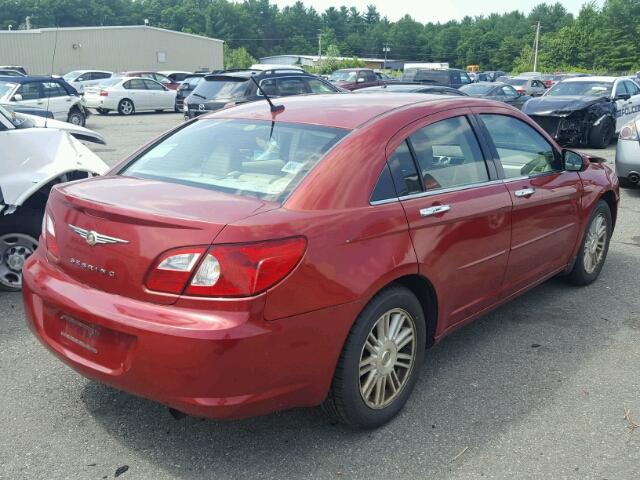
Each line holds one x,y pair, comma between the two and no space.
257,260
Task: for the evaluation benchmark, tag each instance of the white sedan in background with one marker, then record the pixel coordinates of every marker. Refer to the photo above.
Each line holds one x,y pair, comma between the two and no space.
128,95
80,79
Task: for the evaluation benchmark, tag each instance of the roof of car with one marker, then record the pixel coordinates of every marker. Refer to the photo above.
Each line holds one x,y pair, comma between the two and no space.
591,79
341,110
402,87
30,78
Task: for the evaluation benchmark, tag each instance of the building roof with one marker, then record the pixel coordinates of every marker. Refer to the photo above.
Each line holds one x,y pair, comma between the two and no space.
113,27
341,110
316,58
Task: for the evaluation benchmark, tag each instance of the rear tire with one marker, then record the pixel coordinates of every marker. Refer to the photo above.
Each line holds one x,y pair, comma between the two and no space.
377,370
625,183
601,135
594,246
126,107
19,233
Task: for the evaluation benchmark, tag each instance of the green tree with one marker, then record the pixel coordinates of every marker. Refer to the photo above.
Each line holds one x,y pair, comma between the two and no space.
237,58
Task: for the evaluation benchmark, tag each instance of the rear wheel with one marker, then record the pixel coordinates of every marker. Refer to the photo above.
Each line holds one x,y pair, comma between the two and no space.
594,247
126,107
19,235
601,135
379,364
76,117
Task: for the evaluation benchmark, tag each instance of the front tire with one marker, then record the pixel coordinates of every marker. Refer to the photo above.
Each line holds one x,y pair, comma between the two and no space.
601,135
594,246
126,107
380,361
19,233
76,117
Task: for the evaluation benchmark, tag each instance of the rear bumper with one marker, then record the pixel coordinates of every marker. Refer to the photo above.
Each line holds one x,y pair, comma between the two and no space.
627,157
221,364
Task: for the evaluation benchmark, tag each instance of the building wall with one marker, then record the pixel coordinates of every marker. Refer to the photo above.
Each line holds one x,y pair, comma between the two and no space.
288,60
108,48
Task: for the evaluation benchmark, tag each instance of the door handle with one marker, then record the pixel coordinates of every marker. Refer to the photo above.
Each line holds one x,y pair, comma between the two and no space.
525,192
428,212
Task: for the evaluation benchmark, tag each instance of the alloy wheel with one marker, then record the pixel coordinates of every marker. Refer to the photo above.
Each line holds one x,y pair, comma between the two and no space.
126,108
15,248
595,243
387,358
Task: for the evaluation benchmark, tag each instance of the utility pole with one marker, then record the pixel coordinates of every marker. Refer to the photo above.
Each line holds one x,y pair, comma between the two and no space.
535,49
385,49
319,46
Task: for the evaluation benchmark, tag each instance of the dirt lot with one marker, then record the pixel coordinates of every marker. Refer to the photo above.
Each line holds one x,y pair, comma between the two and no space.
535,390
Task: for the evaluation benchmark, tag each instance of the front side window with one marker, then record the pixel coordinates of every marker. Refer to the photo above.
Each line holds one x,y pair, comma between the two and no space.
53,89
241,157
509,90
318,86
151,85
521,149
448,154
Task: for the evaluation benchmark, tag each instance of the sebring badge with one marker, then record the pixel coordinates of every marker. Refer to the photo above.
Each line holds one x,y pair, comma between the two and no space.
94,238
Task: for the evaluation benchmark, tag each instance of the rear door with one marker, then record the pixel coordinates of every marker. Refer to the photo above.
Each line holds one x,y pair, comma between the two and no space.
457,209
59,101
159,97
138,93
546,199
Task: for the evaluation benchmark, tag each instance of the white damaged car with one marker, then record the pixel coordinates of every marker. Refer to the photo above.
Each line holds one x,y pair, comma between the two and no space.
35,154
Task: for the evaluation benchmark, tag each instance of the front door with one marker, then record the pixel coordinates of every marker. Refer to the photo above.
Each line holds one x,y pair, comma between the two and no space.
138,93
458,214
546,200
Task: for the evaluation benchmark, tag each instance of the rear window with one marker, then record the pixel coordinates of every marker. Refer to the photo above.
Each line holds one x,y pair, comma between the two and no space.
221,88
241,157
422,75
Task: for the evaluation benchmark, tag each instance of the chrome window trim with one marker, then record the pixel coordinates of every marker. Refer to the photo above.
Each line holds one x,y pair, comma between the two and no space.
384,202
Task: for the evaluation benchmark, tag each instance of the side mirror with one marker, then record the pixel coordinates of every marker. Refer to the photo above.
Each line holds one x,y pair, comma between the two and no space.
17,98
572,161
360,80
623,96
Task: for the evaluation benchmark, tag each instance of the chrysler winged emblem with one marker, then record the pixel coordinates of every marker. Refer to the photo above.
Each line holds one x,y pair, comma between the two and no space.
94,238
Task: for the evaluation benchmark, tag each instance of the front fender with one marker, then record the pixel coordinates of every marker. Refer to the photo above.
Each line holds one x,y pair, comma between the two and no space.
32,158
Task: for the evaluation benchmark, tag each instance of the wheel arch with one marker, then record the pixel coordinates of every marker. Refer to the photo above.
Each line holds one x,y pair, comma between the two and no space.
610,198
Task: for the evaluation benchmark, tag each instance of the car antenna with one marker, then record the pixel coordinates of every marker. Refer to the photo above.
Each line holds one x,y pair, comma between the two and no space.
274,108
53,58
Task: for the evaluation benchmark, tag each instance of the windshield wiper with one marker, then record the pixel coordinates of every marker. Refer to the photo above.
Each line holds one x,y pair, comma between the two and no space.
198,95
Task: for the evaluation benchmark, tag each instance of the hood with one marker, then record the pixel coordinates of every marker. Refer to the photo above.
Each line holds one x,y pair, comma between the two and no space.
81,133
561,106
36,156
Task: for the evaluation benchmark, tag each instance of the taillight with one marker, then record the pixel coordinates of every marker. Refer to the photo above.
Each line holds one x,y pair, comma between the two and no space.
104,93
49,234
237,270
173,269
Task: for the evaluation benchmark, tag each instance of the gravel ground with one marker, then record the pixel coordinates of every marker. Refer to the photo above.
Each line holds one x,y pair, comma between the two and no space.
534,390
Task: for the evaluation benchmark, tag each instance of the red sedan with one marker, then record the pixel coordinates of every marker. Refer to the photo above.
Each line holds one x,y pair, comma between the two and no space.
254,261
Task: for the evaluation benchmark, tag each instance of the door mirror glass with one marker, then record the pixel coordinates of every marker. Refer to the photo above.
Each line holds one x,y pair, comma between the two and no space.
17,97
360,80
573,161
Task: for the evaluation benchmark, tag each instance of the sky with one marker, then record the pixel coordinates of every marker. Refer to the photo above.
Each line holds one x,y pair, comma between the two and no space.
435,11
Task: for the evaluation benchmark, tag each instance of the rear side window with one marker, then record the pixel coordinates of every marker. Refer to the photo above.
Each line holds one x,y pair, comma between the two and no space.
53,89
521,149
448,154
135,84
291,86
151,85
403,170
240,157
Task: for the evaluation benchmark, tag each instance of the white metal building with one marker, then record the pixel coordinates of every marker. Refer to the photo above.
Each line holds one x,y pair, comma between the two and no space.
135,47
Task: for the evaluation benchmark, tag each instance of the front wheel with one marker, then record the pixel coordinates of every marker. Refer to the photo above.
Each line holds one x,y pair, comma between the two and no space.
601,135
594,247
379,364
76,117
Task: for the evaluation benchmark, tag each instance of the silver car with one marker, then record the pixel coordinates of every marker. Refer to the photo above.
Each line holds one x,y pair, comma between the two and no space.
628,154
527,85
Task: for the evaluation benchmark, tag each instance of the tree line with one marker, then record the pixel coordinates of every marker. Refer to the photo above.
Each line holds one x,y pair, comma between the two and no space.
599,38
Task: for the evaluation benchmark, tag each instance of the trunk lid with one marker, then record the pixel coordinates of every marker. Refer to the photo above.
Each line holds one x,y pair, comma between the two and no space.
144,218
